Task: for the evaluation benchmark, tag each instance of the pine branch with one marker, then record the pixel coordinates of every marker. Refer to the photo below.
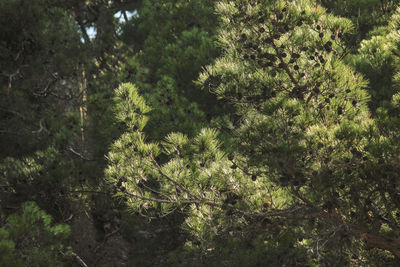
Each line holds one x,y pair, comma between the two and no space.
285,66
174,181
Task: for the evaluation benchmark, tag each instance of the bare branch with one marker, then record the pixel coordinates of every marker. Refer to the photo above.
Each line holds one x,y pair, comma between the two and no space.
125,16
69,218
41,127
159,200
79,154
13,112
105,239
79,259
89,191
10,78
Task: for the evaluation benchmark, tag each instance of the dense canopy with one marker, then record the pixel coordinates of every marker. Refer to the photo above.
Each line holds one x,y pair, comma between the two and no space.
199,132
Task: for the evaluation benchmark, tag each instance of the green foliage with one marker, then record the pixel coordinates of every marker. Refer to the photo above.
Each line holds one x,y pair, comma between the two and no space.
131,107
365,14
174,40
241,248
40,178
377,59
251,132
40,96
39,48
305,145
29,239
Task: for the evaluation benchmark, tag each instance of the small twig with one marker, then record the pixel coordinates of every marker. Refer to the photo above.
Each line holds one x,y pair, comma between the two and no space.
79,154
159,200
89,191
41,127
69,218
10,78
79,259
125,16
305,200
84,33
44,92
13,112
332,235
105,239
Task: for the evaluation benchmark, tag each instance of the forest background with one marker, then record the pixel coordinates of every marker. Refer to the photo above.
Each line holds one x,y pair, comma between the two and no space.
199,132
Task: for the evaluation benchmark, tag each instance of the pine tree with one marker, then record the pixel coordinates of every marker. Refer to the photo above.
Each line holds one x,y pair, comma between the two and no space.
365,14
42,97
309,159
39,103
267,130
30,239
172,40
